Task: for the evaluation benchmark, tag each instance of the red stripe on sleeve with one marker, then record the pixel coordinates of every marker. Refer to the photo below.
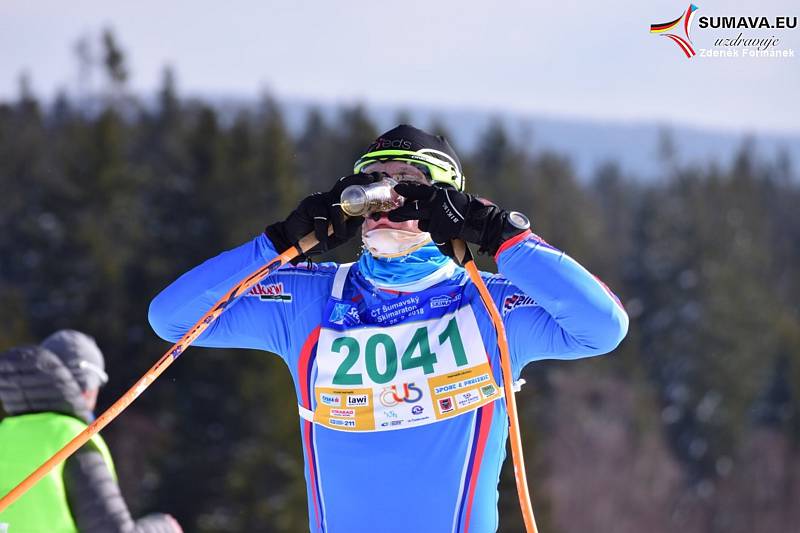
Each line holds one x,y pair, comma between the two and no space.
512,241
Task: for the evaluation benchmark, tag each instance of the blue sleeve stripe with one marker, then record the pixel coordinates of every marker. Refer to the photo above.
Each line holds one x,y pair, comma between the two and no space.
551,250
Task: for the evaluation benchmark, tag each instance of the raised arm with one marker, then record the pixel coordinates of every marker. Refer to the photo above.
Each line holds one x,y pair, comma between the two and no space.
553,307
264,318
574,314
245,324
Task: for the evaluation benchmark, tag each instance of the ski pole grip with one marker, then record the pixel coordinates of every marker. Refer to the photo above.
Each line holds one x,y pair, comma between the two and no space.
310,241
461,251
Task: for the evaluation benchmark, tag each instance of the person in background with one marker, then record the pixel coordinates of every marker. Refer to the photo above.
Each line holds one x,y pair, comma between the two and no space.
49,393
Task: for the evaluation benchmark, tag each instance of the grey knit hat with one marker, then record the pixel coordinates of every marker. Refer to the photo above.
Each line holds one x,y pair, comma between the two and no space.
81,355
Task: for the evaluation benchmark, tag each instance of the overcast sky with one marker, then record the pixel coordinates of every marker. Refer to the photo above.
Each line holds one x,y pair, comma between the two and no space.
575,57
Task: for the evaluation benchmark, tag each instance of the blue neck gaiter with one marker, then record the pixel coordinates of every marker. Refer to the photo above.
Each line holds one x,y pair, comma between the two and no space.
387,271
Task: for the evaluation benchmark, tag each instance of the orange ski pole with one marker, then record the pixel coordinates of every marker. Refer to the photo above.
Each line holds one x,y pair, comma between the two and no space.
520,476
305,244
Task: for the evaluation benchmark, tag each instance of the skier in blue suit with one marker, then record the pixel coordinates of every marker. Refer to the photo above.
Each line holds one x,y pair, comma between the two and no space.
394,357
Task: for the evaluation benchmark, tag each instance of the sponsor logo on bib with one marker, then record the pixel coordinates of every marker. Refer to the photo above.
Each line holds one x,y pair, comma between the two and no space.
465,399
407,392
357,400
446,405
342,423
330,399
488,391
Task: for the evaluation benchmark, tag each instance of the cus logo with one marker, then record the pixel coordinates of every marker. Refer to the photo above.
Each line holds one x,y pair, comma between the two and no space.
390,396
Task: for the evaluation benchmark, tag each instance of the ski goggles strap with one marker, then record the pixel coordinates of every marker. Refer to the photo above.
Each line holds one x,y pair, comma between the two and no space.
440,167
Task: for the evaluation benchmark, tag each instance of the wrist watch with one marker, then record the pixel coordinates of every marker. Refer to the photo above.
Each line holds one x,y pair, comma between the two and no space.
518,221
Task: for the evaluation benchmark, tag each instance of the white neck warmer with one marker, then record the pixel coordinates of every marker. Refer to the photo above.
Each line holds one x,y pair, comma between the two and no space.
386,242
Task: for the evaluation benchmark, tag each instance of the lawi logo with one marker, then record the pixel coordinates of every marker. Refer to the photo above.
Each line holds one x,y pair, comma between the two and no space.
682,23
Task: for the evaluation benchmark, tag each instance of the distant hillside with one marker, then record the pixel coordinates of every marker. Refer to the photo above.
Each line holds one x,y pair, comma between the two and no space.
634,146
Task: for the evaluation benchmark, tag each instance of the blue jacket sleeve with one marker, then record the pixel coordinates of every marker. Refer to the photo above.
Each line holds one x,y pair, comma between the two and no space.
552,307
265,318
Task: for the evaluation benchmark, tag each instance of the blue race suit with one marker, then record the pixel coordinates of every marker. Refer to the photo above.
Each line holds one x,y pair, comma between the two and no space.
403,420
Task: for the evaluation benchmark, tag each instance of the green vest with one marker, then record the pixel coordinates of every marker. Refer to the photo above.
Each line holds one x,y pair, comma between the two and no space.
27,441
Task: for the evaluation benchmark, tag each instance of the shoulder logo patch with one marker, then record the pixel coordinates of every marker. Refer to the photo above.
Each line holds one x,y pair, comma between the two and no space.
270,293
516,300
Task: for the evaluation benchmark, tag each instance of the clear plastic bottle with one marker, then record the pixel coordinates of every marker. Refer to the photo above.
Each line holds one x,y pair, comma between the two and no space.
361,200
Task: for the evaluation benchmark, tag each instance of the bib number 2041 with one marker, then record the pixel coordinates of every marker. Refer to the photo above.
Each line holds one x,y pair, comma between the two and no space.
417,354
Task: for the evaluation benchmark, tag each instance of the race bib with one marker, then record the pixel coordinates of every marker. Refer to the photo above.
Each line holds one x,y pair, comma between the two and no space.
413,373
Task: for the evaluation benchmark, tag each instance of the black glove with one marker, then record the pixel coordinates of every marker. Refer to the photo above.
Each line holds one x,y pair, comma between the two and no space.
448,214
315,213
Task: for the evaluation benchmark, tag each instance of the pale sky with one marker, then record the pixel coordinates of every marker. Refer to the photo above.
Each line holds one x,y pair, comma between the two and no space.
572,58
